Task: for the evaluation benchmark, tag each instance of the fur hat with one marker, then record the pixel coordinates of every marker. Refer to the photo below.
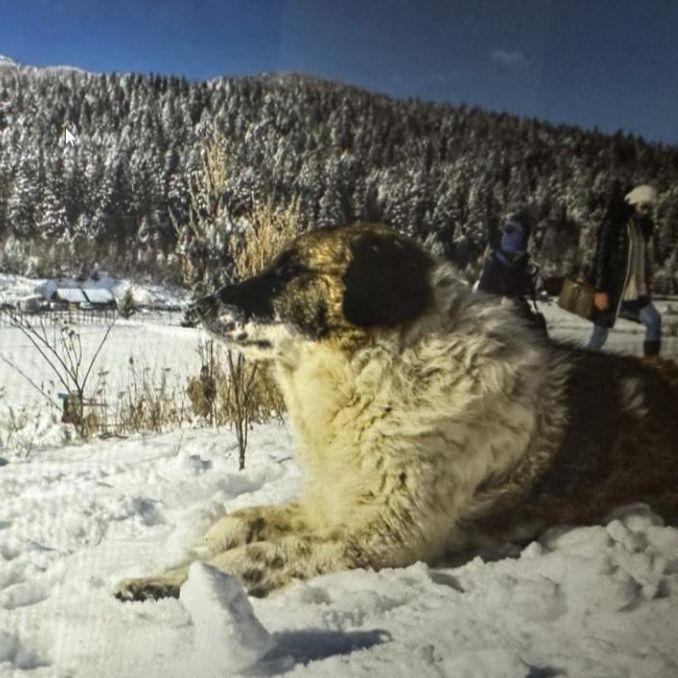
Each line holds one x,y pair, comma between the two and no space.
642,193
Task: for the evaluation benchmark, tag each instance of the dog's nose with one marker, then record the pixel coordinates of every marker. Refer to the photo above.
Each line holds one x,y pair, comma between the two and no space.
205,307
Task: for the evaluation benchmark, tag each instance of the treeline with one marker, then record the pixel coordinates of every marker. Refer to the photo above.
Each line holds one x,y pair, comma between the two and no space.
97,168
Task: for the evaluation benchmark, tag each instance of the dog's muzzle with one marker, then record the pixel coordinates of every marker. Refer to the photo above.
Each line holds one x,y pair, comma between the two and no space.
211,312
233,312
205,308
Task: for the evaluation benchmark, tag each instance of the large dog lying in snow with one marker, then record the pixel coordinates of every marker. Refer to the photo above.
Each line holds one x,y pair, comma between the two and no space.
428,419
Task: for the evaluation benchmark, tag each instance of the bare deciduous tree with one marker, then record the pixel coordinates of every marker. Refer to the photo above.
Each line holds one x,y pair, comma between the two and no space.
60,346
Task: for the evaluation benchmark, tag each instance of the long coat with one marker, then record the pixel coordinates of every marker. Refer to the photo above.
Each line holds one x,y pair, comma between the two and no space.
611,263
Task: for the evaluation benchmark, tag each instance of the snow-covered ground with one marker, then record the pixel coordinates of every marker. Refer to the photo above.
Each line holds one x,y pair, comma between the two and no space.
594,602
149,346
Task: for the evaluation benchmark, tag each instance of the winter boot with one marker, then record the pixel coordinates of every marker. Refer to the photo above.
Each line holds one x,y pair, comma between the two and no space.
651,348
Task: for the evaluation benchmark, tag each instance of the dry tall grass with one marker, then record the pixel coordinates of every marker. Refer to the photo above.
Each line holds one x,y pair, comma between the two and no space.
229,388
269,230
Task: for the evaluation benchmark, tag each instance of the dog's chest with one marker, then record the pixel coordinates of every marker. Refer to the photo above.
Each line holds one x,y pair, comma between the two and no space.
327,414
314,392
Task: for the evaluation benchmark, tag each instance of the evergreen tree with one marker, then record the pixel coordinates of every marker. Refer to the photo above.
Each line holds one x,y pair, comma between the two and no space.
337,152
127,305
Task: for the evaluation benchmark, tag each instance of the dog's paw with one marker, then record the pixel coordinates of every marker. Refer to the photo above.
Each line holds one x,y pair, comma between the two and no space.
152,588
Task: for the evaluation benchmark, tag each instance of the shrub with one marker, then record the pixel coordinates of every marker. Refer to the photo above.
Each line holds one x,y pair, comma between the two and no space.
229,388
127,306
152,401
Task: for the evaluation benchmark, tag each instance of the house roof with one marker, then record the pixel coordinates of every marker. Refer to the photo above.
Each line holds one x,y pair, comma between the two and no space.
73,295
99,295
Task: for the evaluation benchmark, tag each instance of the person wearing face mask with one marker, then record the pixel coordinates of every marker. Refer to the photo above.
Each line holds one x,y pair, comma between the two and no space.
508,272
622,270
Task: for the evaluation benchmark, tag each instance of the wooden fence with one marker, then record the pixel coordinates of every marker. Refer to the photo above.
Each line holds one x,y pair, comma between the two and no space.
78,316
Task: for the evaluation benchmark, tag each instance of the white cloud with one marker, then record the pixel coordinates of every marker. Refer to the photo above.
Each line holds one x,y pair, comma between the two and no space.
508,57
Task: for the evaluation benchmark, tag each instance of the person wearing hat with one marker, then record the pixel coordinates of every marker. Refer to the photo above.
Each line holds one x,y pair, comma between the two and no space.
508,273
622,271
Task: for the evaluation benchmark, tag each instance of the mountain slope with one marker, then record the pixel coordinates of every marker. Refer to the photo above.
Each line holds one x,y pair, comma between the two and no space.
94,166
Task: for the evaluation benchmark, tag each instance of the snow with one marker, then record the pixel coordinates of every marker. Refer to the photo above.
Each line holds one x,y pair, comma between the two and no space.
138,352
16,287
591,601
7,62
73,295
76,518
227,634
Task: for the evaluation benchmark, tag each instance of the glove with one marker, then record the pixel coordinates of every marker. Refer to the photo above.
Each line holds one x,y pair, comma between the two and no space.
601,300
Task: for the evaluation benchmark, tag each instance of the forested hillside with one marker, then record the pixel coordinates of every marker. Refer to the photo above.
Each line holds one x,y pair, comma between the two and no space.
96,168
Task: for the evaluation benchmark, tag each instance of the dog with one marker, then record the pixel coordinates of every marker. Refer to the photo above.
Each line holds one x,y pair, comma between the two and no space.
428,419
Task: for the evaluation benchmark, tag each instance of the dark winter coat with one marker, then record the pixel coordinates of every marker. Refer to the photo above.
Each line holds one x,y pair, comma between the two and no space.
506,272
611,262
505,278
512,279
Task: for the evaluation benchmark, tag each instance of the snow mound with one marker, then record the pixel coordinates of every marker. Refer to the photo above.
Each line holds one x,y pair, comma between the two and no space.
228,637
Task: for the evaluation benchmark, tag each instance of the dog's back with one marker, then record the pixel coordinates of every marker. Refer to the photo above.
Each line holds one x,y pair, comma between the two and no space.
622,438
620,444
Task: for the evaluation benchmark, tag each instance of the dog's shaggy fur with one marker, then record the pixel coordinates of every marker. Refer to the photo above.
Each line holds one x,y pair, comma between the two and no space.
428,419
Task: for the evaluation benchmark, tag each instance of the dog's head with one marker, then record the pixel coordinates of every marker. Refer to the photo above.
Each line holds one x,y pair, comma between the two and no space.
328,284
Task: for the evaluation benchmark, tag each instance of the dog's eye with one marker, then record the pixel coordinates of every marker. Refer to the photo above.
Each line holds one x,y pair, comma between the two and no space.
287,269
284,270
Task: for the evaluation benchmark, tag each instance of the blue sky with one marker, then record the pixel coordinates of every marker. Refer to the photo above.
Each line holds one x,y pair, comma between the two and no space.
606,63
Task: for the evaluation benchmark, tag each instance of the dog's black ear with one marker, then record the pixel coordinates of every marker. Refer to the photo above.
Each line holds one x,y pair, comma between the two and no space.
386,281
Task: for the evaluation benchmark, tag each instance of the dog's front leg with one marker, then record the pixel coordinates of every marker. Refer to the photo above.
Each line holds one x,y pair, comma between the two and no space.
266,566
261,567
241,527
249,525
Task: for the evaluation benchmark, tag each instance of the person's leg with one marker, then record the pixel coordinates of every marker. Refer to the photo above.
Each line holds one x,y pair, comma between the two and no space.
651,318
598,338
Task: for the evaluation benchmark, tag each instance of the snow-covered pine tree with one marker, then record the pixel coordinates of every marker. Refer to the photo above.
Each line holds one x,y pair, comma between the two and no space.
127,306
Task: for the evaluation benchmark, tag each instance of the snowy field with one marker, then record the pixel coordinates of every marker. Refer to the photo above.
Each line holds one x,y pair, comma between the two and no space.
134,352
594,602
